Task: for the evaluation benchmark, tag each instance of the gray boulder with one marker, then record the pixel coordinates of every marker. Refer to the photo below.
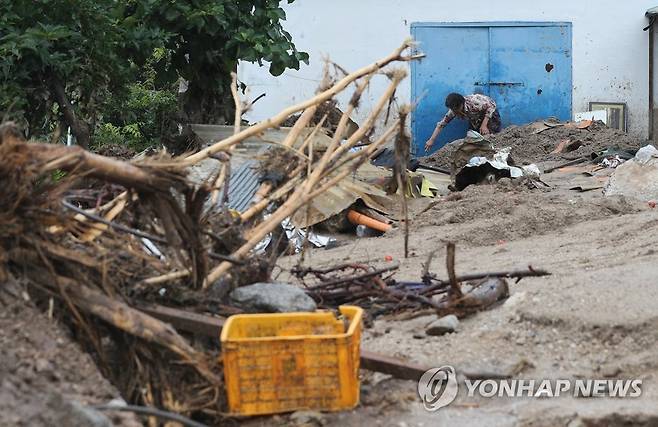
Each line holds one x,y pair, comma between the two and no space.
444,325
272,298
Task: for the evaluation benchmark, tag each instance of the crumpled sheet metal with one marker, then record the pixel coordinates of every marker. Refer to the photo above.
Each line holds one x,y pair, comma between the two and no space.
296,236
365,184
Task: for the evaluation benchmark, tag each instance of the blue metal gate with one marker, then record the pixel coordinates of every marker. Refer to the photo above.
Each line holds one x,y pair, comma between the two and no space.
524,67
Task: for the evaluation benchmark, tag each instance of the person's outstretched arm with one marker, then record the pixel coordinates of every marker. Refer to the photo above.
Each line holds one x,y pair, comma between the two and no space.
439,127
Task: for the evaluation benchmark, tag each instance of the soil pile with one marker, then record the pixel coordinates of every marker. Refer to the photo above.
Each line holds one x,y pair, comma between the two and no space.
44,375
529,146
486,214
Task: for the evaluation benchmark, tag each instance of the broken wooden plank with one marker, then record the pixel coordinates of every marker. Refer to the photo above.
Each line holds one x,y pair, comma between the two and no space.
212,326
392,366
186,321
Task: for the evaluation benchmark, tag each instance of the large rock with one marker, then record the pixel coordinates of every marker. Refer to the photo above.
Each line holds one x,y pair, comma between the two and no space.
444,325
636,178
272,298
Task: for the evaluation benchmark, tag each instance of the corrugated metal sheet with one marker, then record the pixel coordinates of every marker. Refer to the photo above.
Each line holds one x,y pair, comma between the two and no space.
364,184
243,185
245,178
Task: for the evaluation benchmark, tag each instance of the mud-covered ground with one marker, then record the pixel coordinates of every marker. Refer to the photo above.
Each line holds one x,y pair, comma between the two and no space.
594,317
45,378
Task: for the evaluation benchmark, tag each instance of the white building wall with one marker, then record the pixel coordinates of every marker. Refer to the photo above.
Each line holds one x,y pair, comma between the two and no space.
610,50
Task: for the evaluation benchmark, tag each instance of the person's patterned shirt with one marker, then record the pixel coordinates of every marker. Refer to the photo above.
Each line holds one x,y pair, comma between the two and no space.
474,107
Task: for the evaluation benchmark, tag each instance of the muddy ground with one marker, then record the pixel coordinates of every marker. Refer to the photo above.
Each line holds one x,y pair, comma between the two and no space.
45,378
595,317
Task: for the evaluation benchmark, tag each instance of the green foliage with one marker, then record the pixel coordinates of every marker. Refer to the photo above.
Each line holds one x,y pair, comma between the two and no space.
206,39
140,117
57,175
139,121
80,44
119,62
218,33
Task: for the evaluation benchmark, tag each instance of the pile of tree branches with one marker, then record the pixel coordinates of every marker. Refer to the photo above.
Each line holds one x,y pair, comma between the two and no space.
97,237
376,289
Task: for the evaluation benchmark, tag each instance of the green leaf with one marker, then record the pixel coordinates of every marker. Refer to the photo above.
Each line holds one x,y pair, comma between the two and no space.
172,14
277,68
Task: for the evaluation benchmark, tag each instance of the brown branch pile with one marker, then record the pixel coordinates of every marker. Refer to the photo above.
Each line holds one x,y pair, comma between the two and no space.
377,291
322,168
49,242
98,237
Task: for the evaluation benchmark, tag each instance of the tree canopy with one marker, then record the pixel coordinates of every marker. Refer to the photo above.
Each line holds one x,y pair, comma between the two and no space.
72,61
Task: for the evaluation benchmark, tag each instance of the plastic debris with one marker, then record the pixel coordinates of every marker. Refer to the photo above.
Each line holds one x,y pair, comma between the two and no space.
637,177
296,236
482,169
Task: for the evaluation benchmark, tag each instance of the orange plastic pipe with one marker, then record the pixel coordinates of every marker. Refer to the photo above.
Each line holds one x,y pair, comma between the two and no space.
360,219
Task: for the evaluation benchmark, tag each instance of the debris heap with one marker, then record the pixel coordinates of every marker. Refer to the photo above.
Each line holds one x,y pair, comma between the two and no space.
102,239
539,141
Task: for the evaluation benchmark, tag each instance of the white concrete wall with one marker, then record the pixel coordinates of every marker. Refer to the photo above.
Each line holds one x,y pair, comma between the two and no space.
610,50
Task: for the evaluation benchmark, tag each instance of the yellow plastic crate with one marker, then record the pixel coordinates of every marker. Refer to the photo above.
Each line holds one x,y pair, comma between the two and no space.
290,361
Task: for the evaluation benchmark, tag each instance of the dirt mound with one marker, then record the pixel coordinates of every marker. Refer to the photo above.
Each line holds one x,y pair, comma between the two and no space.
488,214
531,147
42,372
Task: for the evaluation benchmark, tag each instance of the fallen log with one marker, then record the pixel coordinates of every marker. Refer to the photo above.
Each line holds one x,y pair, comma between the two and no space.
187,321
392,366
75,159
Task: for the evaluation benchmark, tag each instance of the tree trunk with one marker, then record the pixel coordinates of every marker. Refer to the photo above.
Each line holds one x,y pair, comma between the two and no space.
200,105
79,128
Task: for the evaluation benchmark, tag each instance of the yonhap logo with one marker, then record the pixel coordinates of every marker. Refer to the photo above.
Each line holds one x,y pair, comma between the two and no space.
438,387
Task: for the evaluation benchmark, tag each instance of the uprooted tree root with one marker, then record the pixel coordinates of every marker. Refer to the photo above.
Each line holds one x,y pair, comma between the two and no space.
40,245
